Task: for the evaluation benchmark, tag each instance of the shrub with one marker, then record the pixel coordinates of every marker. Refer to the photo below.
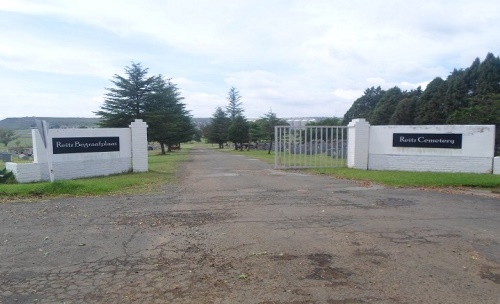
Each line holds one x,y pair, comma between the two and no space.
7,177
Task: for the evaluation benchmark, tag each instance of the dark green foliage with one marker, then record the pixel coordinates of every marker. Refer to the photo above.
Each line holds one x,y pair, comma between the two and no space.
267,123
430,107
217,129
7,177
126,102
482,110
363,107
404,114
489,76
238,131
255,132
467,96
385,106
169,123
155,100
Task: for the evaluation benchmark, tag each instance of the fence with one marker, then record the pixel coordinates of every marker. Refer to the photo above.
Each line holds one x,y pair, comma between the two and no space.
310,147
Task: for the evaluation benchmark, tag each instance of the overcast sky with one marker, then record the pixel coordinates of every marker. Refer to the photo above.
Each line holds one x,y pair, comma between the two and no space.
298,58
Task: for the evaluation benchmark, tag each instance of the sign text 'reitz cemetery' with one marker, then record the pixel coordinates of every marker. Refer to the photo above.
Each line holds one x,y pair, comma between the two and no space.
432,140
85,144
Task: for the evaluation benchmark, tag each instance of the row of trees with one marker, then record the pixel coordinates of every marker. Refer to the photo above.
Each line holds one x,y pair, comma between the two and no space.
154,99
158,102
229,124
466,96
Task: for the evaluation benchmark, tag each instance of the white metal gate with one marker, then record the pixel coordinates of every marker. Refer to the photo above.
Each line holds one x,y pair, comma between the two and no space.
310,147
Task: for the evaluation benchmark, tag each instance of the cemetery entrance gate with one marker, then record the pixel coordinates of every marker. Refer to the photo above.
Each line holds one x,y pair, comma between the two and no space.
310,147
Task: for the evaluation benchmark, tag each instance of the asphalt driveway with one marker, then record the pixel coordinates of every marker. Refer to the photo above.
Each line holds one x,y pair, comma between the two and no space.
236,231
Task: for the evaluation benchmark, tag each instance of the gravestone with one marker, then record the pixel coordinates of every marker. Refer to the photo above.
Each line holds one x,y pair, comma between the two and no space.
6,157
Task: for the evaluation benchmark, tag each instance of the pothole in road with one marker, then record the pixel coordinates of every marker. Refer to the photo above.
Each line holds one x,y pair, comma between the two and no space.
329,274
371,252
283,257
326,272
490,273
394,202
321,259
172,219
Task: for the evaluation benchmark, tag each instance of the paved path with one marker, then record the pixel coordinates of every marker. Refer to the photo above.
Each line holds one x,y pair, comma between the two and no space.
237,231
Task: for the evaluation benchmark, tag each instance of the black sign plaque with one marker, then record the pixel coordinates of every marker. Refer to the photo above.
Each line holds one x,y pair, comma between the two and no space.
429,140
67,145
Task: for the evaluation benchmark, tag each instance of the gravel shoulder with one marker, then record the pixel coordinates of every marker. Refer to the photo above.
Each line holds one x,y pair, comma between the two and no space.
236,231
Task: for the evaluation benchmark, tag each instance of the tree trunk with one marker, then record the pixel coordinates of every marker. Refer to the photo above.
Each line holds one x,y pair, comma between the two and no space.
270,147
169,148
162,145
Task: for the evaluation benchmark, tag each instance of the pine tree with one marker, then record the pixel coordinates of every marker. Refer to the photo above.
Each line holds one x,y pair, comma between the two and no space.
386,106
363,107
430,107
269,121
126,102
489,75
404,114
155,100
217,129
238,131
168,120
234,108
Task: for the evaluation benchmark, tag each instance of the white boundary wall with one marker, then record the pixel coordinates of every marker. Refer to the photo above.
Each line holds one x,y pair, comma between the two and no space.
132,155
476,154
496,165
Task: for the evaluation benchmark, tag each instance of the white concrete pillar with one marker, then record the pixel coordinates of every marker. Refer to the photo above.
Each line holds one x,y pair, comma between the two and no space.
358,144
138,131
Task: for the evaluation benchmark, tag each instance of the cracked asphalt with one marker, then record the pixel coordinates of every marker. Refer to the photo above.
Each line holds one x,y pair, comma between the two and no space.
234,230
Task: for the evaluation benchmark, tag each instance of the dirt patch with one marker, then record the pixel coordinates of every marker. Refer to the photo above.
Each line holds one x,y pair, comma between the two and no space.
490,273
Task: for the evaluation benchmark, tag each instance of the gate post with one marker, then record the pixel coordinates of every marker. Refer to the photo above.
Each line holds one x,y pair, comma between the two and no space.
138,131
358,144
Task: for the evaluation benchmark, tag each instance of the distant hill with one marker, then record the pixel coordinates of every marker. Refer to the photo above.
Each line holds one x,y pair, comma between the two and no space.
21,123
201,121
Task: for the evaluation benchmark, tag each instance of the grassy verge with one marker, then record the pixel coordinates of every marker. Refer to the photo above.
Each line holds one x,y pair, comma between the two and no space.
162,170
416,179
395,178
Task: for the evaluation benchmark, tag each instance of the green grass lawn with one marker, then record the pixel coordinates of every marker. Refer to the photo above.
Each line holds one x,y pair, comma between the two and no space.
162,170
416,179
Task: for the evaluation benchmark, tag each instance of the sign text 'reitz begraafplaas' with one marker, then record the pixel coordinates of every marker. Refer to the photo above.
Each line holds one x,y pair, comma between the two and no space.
431,140
66,145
